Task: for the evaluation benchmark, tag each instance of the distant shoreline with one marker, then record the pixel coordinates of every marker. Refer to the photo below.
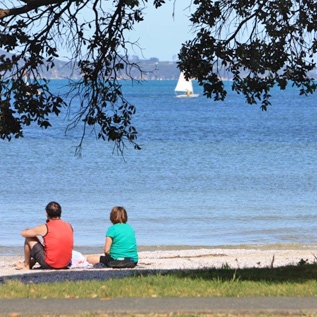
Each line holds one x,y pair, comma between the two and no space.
18,250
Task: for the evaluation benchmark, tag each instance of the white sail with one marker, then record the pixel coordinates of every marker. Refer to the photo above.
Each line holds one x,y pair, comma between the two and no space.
185,86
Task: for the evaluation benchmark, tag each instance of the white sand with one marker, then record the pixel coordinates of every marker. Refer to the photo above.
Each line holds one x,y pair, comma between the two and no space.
168,260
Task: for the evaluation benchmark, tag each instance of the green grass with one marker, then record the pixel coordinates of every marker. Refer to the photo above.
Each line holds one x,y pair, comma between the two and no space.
269,314
298,280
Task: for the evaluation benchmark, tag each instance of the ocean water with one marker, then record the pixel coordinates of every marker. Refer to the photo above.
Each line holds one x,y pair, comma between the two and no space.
209,173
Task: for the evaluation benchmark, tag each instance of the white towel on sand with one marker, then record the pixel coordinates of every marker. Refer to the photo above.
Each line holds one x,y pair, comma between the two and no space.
79,261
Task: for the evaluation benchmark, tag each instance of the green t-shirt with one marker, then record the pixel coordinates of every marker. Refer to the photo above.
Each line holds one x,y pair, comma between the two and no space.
123,241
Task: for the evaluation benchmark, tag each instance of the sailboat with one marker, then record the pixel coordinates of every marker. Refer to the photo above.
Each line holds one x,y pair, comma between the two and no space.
26,82
185,86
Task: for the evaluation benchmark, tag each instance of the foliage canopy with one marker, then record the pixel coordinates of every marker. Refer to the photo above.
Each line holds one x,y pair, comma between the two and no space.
261,43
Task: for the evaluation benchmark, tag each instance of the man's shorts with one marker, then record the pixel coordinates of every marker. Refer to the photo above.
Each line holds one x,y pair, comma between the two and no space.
38,254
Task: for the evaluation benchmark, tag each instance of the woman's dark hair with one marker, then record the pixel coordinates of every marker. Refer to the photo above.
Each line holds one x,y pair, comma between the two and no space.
118,215
53,210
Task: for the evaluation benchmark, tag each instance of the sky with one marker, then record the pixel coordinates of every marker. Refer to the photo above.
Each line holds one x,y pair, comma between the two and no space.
160,35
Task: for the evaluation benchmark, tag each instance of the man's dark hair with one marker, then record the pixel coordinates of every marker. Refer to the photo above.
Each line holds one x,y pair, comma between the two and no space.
53,209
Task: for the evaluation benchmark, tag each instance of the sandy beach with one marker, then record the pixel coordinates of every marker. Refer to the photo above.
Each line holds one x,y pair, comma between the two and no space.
162,260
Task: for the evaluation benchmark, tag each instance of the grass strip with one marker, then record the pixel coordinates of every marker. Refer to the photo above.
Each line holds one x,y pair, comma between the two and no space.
300,280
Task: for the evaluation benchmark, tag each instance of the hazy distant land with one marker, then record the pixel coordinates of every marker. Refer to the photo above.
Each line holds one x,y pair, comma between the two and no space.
152,69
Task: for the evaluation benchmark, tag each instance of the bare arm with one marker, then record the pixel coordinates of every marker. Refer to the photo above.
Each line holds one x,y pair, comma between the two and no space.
40,230
93,259
108,245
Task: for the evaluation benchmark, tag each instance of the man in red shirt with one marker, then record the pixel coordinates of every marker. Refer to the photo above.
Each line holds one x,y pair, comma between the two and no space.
58,242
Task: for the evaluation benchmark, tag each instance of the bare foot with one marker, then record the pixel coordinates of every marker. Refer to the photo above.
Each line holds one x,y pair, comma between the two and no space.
21,266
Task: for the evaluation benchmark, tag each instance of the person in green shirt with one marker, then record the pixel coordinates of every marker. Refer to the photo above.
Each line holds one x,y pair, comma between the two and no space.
120,240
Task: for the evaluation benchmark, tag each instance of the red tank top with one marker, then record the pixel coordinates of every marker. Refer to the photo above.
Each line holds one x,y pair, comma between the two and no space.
58,243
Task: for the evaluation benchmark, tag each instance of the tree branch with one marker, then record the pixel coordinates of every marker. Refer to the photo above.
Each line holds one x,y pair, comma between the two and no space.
30,5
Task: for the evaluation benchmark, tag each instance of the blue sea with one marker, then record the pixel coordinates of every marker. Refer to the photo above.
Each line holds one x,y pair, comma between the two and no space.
209,173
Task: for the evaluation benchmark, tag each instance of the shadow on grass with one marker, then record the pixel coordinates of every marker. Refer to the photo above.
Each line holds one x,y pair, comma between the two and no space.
298,274
45,276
